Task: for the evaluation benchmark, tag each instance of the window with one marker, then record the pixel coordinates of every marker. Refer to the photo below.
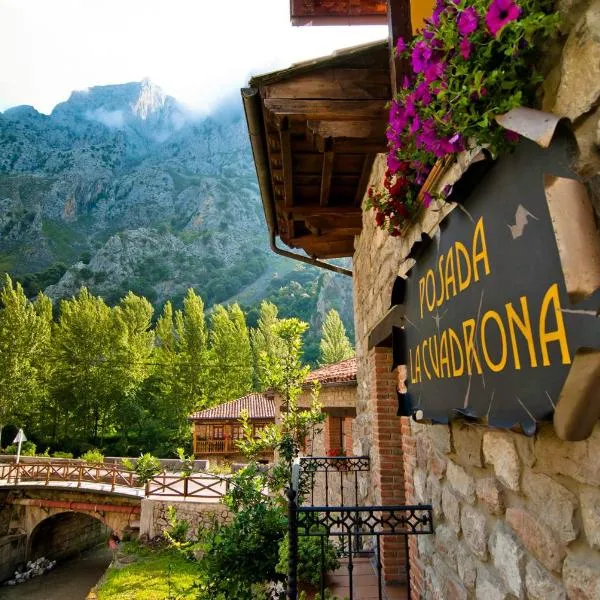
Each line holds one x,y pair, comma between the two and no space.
218,433
258,427
236,432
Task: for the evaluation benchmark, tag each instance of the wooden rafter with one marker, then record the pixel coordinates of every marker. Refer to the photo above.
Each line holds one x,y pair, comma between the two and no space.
364,179
334,110
348,129
286,159
328,157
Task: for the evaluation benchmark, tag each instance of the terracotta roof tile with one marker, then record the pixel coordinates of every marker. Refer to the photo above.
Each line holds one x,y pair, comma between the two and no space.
340,372
259,406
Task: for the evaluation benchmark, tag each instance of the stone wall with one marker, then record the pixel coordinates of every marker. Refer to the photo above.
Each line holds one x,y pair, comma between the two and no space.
154,516
13,550
515,517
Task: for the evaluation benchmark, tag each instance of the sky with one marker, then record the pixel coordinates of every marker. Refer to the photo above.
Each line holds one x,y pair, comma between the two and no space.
199,51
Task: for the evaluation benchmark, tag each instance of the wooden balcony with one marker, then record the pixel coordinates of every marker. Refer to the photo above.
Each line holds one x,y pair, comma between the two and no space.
223,446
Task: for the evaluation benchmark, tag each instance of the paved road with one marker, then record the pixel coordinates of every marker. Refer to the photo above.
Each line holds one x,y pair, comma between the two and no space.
71,580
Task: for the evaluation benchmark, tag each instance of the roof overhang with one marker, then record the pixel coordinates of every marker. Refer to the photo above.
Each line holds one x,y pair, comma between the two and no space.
315,130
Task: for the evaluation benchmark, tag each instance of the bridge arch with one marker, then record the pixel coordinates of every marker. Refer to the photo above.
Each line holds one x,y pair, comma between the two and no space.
66,533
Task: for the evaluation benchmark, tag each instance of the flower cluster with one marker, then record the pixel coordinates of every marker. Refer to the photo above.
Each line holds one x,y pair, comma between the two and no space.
473,60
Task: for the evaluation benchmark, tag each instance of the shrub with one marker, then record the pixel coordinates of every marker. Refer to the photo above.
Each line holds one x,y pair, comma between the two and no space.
242,553
93,457
309,558
177,530
187,466
146,467
59,454
27,449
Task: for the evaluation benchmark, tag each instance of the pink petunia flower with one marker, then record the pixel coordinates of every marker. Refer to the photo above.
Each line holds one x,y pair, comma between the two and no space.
465,48
467,21
427,199
393,162
500,13
421,55
400,46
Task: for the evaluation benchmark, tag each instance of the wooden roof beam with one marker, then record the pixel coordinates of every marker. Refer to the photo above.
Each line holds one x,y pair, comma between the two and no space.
348,129
328,157
332,110
286,159
315,210
364,179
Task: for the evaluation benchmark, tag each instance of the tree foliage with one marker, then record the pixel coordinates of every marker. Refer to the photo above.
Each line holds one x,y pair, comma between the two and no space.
107,377
335,345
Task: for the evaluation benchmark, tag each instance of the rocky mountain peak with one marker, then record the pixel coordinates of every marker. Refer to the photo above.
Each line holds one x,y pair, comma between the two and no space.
151,99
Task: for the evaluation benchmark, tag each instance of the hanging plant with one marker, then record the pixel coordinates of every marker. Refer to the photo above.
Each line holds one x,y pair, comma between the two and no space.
473,60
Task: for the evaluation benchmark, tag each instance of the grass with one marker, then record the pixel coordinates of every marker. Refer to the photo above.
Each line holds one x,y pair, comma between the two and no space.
147,576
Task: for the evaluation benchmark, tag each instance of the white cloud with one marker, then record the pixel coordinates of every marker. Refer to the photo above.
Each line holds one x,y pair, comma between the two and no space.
115,119
199,51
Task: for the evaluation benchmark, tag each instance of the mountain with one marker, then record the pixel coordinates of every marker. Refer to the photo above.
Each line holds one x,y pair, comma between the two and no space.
123,187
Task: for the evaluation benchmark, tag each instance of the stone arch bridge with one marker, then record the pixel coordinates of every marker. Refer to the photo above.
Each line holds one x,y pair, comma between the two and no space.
56,509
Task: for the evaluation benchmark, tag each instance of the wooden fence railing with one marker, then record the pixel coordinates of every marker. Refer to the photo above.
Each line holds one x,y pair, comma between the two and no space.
205,486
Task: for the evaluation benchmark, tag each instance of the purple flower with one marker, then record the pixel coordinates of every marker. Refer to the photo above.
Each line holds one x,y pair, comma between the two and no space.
421,55
465,48
393,163
500,13
415,125
423,94
427,199
400,46
434,70
511,136
467,21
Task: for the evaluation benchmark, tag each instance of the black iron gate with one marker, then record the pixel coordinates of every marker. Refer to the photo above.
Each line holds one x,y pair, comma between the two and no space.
323,503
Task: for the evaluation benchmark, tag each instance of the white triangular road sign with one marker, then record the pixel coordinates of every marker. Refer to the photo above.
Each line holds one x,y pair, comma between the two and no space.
20,437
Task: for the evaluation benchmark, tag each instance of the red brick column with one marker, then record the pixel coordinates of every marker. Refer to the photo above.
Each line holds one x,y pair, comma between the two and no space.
386,455
409,450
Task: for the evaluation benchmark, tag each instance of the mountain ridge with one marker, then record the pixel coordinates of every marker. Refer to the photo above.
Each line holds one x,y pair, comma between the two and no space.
122,187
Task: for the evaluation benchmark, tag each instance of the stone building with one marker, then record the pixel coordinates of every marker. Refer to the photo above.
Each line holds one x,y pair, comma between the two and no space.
516,515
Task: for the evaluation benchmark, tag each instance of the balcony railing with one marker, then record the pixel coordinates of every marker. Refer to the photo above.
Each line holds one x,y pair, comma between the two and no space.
224,446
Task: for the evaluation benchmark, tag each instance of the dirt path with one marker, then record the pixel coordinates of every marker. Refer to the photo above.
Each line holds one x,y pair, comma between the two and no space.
71,580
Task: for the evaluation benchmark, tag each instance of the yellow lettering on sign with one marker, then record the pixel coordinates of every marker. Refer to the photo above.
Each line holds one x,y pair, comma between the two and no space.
410,365
430,278
440,299
422,293
553,335
470,350
524,325
480,250
499,366
444,356
418,365
425,361
450,278
463,282
435,364
455,344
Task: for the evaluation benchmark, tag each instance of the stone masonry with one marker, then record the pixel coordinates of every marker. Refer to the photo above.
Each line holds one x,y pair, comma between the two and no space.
515,517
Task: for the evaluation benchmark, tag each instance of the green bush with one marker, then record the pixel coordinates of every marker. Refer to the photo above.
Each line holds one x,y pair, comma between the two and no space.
146,467
27,449
187,467
309,558
242,553
93,457
59,454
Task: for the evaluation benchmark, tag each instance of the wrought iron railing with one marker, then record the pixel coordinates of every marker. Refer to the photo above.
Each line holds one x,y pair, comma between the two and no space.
348,524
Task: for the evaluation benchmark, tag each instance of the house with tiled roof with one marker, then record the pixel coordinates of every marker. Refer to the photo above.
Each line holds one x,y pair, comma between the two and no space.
217,429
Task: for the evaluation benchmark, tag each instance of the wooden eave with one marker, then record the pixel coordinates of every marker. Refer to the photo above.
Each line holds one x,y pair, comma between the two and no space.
338,12
321,123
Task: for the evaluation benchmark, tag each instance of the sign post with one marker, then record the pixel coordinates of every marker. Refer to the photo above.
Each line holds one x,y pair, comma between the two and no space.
19,440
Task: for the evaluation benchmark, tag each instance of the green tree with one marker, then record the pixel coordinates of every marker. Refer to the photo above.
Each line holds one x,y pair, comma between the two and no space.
24,341
191,352
335,345
230,355
265,340
100,357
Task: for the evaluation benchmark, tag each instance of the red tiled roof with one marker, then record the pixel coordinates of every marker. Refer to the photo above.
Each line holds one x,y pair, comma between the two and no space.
340,372
259,406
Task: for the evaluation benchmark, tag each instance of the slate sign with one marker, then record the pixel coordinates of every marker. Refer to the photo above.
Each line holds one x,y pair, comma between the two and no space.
489,328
